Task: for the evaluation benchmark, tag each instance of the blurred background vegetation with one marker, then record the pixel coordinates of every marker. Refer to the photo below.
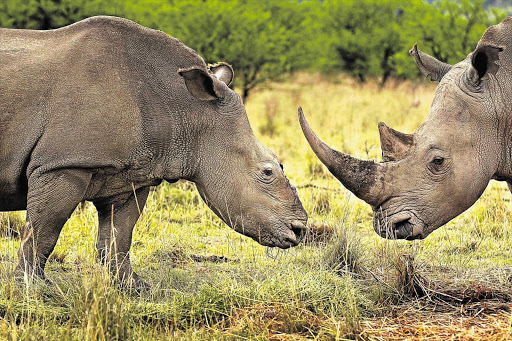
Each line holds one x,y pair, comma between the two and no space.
267,39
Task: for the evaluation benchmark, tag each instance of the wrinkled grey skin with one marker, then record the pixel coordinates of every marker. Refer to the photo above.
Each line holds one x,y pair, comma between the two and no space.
429,177
102,110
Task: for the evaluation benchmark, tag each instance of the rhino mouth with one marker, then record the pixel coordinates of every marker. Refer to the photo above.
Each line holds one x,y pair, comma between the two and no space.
403,225
292,236
286,235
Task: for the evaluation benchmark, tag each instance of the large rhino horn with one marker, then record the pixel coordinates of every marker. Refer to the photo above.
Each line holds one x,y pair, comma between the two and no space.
364,178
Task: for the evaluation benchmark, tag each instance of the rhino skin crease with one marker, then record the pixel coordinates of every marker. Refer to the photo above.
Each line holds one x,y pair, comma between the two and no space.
102,110
429,177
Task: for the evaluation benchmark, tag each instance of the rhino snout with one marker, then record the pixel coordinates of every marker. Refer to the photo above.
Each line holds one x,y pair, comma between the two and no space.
292,236
399,226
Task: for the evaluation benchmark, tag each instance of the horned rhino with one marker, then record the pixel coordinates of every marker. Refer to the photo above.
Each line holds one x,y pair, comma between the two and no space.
102,110
429,177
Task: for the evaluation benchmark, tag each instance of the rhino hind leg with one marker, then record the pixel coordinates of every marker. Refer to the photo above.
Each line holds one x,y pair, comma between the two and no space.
52,198
117,217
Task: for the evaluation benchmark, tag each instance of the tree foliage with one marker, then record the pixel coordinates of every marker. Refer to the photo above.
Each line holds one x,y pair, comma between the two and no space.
372,38
362,36
254,37
40,14
265,39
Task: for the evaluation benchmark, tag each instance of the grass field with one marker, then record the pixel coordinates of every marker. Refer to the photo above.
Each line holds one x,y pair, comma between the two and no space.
344,282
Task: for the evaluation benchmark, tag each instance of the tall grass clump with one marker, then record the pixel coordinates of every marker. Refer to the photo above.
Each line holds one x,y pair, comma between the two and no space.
344,253
99,308
12,223
409,278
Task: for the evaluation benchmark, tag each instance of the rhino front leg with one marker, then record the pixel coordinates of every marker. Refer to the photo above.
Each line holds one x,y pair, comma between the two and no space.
117,217
51,199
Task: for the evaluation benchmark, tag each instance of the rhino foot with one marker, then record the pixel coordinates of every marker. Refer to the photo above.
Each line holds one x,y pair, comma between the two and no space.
132,284
30,276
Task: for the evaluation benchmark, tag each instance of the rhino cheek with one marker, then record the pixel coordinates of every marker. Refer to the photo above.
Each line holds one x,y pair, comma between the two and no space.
224,215
276,213
260,217
423,214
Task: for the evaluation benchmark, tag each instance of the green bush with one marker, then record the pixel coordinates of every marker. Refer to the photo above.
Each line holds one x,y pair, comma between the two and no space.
264,40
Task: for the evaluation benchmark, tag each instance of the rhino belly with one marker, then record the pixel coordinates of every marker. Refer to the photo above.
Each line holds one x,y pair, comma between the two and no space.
13,196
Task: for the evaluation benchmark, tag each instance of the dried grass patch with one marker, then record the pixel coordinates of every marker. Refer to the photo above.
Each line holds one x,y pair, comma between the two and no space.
319,233
467,312
274,322
439,326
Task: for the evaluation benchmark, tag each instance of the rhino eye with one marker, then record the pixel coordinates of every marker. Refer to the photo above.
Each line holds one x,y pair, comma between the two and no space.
438,161
268,172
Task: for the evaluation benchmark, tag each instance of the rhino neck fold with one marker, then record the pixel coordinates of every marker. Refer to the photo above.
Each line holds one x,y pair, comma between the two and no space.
178,158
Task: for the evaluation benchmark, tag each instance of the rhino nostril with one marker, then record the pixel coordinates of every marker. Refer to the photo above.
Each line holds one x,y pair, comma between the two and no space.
290,242
403,229
299,229
401,223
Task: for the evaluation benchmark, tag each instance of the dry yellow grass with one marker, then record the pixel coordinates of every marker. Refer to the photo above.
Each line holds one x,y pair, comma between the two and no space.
346,282
439,327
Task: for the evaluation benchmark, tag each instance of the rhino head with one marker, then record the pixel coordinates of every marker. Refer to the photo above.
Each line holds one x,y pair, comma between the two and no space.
429,177
239,178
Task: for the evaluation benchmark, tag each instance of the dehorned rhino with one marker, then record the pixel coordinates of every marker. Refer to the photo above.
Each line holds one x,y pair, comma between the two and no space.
102,110
429,177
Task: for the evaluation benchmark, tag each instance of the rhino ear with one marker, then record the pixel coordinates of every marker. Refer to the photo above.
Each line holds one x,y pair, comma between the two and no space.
483,61
201,84
223,72
428,65
394,144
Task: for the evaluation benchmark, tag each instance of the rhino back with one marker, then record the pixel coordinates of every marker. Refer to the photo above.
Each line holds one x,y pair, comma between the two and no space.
101,93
